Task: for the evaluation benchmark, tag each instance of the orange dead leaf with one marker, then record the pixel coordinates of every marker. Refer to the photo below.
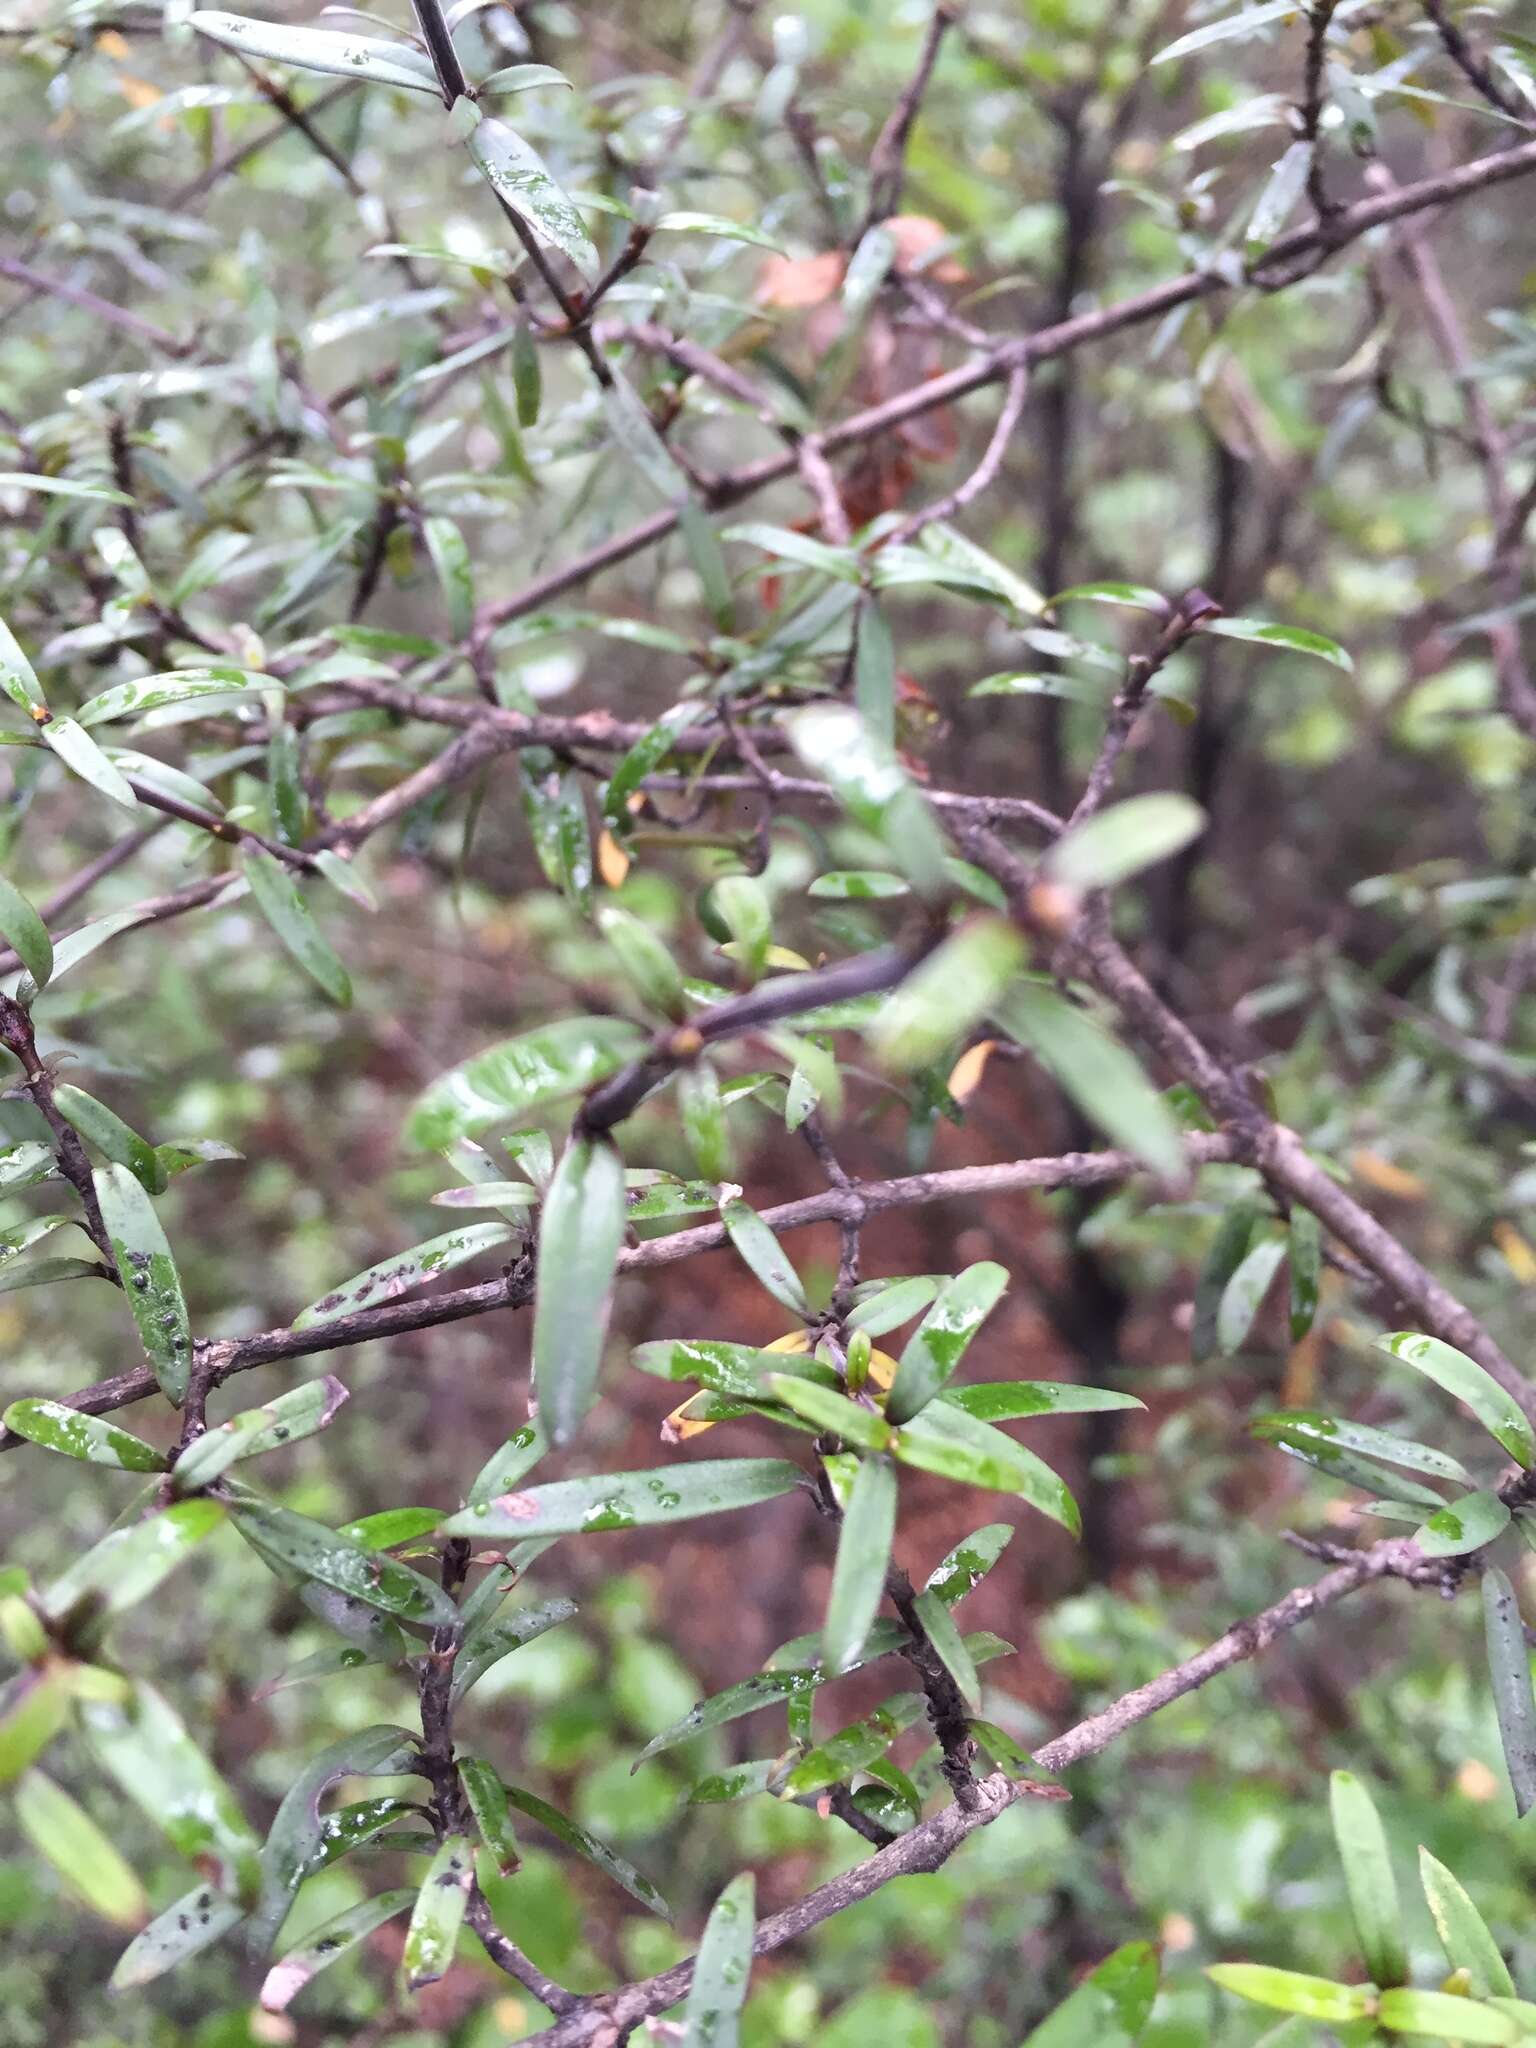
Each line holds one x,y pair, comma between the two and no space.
916,237
1387,1178
612,861
138,92
1518,1255
965,1075
793,282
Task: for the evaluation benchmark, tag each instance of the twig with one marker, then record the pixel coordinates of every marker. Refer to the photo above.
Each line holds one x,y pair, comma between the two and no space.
887,160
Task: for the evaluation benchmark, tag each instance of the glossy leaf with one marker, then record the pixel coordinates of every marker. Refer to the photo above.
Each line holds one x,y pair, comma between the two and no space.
945,1439
277,897
755,1240
863,1559
1227,1250
1464,1525
80,753
1096,1071
176,686
1305,1254
367,59
25,933
1320,1433
197,1919
648,962
285,1419
18,678
580,1233
556,812
105,1129
315,1552
1315,1998
522,1074
517,174
941,1340
596,1852
831,1411
1017,1400
645,756
949,1645
486,1645
34,1706
872,787
61,1830
60,1428
145,1746
25,1164
723,1969
947,993
702,1110
1128,837
969,1562
1463,1932
1373,1899
129,1563
492,1815
327,1944
1463,1378
1243,1295
890,1303
1109,2008
627,1500
1509,1667
438,1913
853,1747
1448,2018
1292,639
392,1277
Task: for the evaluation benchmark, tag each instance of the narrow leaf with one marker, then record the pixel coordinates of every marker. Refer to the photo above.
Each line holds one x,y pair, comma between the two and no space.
25,933
61,1829
1463,1378
863,1558
939,1343
1373,1899
1509,1666
722,1969
522,1074
627,1500
150,1280
392,1277
580,1232
60,1428
277,897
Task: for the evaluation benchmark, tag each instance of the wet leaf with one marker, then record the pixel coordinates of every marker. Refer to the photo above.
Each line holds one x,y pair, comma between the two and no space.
886,1304
79,752
105,1129
863,1559
277,897
522,1074
61,1830
25,933
946,1440
557,820
60,1428
1016,1400
969,1562
1104,1080
949,1645
315,1552
392,1277
854,1747
1509,1666
145,1746
1243,1295
129,1563
1464,1525
285,1419
328,1943
486,1645
648,962
18,678
1304,1427
1125,839
947,993
1293,639
580,1233
198,1918
1305,1249
712,2018
517,174
834,743
368,59
627,1500
487,1799
516,1457
175,686
1463,1932
1467,1382
1109,2008
1228,1249
607,1860
1373,1899
755,1240
438,1914
941,1340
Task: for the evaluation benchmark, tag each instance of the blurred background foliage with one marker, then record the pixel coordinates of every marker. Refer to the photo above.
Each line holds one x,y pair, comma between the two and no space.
1356,921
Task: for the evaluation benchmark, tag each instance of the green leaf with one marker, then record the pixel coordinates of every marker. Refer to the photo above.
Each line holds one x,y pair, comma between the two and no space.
150,1280
949,1645
1305,1247
327,1944
1228,1248
723,1968
1509,1667
105,1129
25,1164
1137,595
864,774
557,821
1464,1525
874,675
512,1198
1319,1433
831,1411
714,224
60,1428
286,801
1294,639
947,993
391,1528
315,1552
64,1832
580,1233
61,487
175,686
198,1918
285,1419
487,1799
522,1074
1463,1932
527,372
785,545
1018,1400
649,964
749,1696
23,1236
487,1645
1125,839
1315,1998
702,1110
607,1860
1109,2008
1373,1899
946,1440
129,1563
438,1914
296,1842
755,1240
1463,1378
1231,27
367,59
1243,1295
34,1706
939,1343
278,899
853,1748
25,933
1271,210
741,904
628,1500
886,1304
517,174
145,1746
516,1457
1448,2018
455,574
647,754
863,1558
79,752
18,679
858,885
1103,1079
407,1270
969,1562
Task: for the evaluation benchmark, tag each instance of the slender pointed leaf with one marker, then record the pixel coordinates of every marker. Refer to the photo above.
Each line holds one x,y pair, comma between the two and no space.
522,1074
60,1428
1509,1666
277,897
863,1559
327,1944
198,1918
1373,1899
627,1500
755,1240
1463,1932
1095,1070
492,1814
59,1828
407,1270
129,1563
25,933
712,2018
597,1852
1463,1378
316,1552
580,1233
940,1341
